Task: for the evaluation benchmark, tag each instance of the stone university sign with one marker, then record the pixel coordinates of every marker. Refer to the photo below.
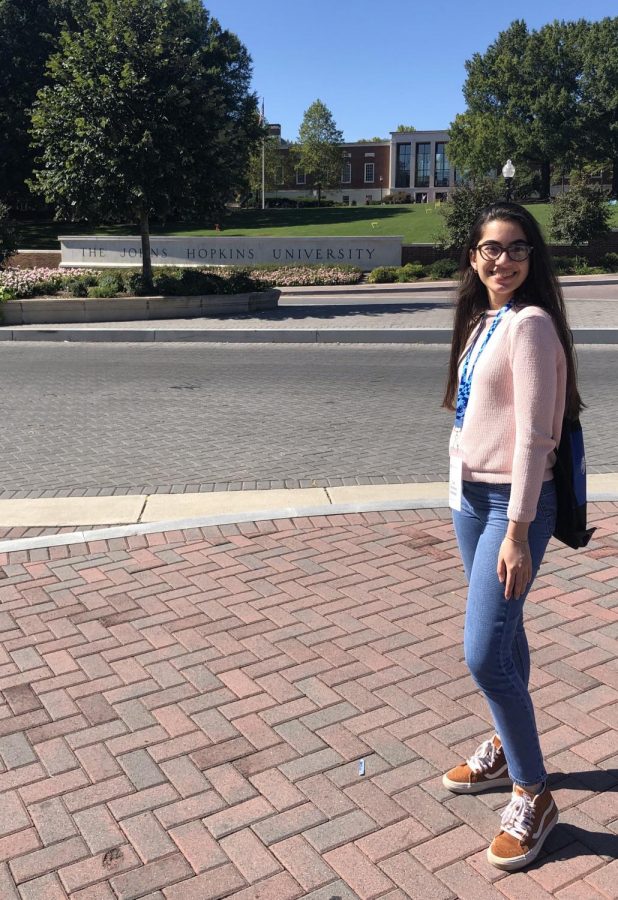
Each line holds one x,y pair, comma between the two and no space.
100,252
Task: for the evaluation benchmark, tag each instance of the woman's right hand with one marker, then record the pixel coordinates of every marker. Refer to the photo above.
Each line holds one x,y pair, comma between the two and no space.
514,567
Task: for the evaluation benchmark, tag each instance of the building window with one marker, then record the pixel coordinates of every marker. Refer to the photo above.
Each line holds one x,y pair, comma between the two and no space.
346,199
301,177
346,172
423,160
281,175
442,168
369,173
402,165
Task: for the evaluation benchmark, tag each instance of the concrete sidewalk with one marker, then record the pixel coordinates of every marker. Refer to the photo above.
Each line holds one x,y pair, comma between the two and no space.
399,313
184,715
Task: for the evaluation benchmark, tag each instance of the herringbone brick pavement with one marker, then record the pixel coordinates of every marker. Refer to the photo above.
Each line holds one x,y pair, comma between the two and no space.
182,716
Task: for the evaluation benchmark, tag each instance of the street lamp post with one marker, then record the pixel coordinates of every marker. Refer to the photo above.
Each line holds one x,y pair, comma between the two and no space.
381,180
508,172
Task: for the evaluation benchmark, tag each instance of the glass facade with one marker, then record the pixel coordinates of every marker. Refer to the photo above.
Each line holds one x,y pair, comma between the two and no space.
402,165
442,168
423,163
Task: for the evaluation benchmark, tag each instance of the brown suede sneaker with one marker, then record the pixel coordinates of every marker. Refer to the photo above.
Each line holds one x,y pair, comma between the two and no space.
484,771
526,822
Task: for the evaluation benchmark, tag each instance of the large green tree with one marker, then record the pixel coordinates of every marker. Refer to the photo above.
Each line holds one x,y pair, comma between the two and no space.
320,146
280,162
29,30
147,113
598,113
522,99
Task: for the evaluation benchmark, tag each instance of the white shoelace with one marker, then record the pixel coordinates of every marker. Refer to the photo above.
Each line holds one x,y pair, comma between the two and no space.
483,757
517,818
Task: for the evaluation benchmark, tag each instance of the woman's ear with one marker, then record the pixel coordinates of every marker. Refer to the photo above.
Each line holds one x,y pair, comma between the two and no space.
473,259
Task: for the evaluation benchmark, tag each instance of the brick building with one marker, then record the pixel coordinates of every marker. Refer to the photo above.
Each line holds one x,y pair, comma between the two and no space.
411,166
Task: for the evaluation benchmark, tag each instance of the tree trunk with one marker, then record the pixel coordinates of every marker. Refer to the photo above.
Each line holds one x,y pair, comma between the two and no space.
545,179
144,231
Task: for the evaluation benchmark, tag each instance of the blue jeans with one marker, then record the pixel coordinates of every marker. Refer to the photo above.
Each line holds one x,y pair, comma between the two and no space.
495,644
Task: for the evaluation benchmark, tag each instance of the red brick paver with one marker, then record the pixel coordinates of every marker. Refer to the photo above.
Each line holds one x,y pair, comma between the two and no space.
183,715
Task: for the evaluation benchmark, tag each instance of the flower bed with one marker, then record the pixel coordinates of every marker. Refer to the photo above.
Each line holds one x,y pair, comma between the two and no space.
300,276
16,284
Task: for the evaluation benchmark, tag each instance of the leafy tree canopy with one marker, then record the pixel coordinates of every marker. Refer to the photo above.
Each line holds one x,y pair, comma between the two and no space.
405,128
280,161
524,99
320,145
598,130
29,31
147,113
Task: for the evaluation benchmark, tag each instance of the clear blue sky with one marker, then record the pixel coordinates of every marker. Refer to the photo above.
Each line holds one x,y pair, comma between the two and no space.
376,64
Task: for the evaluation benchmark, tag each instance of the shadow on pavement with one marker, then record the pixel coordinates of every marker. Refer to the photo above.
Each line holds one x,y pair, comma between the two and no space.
330,311
570,842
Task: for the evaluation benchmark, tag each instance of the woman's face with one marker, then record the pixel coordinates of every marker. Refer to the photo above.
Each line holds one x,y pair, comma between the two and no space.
501,276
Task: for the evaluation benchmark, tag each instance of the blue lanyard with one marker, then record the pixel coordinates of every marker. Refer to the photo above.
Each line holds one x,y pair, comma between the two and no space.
463,393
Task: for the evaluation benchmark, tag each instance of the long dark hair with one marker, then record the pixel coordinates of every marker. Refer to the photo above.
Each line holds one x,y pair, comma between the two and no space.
541,288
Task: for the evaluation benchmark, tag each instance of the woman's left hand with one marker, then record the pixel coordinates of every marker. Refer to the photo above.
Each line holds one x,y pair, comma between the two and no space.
514,567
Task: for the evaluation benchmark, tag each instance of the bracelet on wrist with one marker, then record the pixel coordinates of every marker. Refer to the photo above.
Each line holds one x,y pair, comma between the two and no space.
514,540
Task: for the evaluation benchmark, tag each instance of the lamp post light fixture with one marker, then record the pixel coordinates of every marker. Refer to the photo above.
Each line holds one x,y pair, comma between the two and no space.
381,180
508,172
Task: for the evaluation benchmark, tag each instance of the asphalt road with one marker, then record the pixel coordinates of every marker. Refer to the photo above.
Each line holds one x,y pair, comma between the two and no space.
118,418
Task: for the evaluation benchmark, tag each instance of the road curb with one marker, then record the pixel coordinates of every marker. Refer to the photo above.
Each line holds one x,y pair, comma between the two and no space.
122,531
265,335
429,496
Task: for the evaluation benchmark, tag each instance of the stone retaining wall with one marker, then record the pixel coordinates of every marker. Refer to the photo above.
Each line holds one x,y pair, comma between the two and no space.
59,310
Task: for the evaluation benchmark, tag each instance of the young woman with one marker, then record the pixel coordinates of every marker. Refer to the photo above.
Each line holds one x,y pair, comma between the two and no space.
512,377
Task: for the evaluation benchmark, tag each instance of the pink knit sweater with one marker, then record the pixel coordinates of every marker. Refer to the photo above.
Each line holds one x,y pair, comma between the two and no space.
514,418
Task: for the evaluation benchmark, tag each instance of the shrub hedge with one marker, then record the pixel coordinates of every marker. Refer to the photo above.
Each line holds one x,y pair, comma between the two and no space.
436,271
169,281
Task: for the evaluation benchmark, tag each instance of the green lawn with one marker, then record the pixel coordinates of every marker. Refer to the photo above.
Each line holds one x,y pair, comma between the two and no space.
417,224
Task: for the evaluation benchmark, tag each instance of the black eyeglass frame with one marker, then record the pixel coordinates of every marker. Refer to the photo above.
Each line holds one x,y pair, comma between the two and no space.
517,245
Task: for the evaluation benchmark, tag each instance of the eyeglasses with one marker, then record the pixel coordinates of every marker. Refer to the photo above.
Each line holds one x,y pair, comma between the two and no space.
493,251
